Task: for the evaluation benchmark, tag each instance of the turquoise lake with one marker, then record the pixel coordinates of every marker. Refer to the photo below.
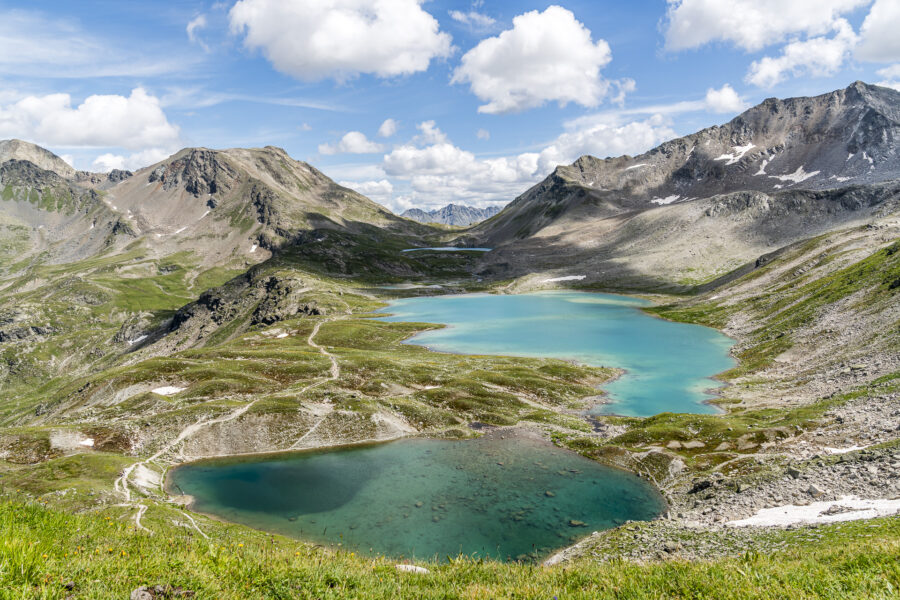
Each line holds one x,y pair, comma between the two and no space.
669,365
497,496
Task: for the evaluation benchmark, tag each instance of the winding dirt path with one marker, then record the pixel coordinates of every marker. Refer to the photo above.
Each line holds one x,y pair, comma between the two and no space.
122,483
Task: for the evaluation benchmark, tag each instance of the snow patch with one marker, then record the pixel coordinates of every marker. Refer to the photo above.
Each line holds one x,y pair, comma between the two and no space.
179,231
168,390
868,158
840,178
666,200
137,340
281,335
797,176
636,166
253,248
203,215
849,508
87,442
844,450
849,156
566,278
738,154
762,167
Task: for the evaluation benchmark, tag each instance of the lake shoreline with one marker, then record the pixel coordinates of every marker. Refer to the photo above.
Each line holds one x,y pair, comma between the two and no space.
511,434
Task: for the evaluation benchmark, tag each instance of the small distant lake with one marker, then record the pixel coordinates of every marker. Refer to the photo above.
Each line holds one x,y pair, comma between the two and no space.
448,249
508,498
669,365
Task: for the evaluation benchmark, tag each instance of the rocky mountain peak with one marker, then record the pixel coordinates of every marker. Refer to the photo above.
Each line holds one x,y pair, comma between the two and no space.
21,150
456,215
198,170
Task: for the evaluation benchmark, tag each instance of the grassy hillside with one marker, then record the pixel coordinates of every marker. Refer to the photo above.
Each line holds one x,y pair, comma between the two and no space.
44,550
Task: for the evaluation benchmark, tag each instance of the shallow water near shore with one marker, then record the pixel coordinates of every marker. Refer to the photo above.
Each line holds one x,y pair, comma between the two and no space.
669,366
509,497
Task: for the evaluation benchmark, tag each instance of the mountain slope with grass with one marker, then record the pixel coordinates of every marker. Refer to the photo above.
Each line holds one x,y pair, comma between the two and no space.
697,207
223,302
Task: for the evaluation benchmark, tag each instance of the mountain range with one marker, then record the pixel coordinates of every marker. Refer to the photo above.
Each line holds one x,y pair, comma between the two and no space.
455,215
697,207
677,218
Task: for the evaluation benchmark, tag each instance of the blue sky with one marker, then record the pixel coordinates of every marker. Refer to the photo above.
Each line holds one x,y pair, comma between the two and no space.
418,103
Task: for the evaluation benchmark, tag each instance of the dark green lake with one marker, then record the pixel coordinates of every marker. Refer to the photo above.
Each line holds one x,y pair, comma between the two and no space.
509,498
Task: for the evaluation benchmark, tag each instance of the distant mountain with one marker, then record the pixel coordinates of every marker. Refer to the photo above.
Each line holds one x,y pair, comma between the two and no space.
19,150
222,205
456,215
698,206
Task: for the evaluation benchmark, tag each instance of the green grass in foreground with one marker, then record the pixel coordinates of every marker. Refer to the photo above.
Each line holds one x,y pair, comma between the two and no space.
41,549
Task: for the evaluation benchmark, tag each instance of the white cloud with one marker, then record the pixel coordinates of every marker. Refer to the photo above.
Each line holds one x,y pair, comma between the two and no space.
546,56
473,19
430,134
605,136
879,41
380,191
353,142
109,161
195,24
724,100
388,128
819,56
483,134
440,172
891,77
135,122
750,24
316,39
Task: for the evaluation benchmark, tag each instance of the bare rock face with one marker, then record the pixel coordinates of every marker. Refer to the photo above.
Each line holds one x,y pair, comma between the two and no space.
19,150
199,172
247,300
784,170
456,215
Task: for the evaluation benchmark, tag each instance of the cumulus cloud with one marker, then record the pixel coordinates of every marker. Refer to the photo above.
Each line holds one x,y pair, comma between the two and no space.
316,39
891,77
135,122
353,142
818,56
750,24
439,172
388,128
724,100
109,161
547,56
380,191
879,41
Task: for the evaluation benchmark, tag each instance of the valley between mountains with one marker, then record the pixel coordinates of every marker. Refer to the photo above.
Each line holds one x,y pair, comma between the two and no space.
222,302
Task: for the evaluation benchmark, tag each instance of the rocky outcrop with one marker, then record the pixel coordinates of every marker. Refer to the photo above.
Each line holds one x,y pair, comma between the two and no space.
199,172
247,301
44,159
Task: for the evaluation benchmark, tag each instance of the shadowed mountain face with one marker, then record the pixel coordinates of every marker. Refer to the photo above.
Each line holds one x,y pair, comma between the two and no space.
224,206
698,206
456,215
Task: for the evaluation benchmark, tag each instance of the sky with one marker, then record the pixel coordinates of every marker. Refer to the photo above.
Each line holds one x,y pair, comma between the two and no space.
418,102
